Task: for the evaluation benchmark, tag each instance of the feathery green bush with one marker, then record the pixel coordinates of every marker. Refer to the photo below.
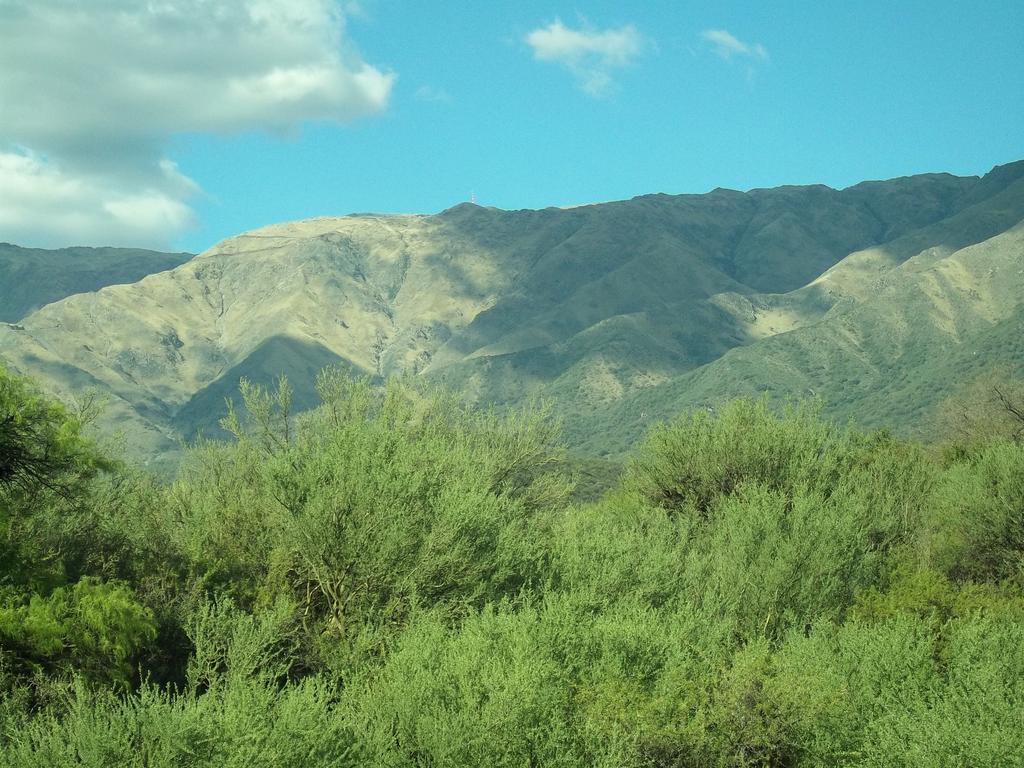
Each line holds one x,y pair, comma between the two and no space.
394,579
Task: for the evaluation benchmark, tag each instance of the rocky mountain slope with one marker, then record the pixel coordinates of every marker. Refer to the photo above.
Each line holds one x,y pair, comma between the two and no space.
33,277
620,312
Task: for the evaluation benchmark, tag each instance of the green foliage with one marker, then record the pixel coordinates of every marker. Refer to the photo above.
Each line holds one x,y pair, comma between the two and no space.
232,645
989,408
46,466
687,464
42,444
249,724
94,627
380,500
932,596
443,696
393,579
63,607
769,562
875,694
788,516
978,515
618,548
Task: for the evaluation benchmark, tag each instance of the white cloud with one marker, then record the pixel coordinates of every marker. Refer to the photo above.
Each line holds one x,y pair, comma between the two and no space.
726,45
95,90
590,55
42,205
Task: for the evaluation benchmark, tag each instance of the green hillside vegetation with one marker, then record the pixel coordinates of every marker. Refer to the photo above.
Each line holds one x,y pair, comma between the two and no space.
31,278
393,579
873,298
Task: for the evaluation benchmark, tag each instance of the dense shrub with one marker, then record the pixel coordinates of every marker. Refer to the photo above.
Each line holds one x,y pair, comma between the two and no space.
686,465
393,579
978,515
379,501
94,627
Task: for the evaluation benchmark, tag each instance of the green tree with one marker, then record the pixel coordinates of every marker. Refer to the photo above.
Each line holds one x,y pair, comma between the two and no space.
92,627
42,443
989,408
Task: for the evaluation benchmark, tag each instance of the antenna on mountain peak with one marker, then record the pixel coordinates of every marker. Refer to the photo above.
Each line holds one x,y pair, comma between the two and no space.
472,197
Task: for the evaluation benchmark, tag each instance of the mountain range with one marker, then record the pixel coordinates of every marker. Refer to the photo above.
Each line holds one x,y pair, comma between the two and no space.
879,299
31,278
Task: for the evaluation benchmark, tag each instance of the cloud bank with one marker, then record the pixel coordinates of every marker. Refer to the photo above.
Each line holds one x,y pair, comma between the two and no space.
590,55
92,92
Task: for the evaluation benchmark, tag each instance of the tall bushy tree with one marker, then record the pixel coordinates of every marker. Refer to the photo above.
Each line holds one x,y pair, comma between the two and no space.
42,443
55,617
379,500
988,408
46,464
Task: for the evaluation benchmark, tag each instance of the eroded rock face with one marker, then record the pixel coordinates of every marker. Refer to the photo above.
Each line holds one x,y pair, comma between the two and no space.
593,306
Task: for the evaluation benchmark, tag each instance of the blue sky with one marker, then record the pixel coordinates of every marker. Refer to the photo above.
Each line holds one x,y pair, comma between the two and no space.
530,104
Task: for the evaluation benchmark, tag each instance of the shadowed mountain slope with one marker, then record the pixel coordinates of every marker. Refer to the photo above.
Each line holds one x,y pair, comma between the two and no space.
33,277
620,312
893,345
